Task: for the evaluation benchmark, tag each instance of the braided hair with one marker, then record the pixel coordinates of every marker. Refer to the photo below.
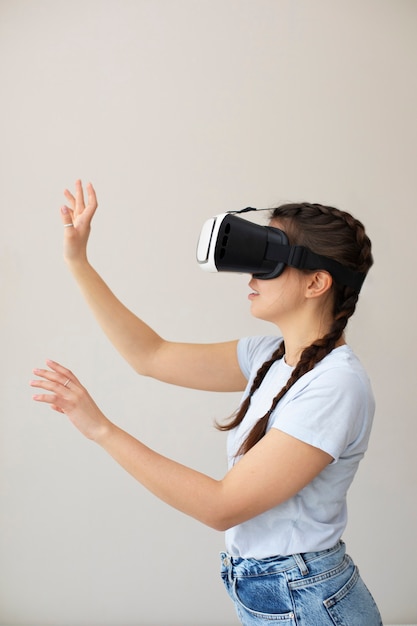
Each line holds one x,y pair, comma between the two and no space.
330,232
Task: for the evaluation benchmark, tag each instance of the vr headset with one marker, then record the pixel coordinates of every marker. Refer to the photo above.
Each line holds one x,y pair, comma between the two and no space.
229,243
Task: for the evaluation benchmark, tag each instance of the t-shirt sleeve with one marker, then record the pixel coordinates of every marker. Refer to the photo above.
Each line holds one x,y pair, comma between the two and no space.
327,413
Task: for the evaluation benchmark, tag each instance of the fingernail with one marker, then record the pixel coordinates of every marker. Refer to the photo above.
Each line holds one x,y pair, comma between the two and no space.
64,210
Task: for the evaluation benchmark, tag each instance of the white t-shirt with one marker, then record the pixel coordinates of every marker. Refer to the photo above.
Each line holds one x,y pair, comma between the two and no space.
331,408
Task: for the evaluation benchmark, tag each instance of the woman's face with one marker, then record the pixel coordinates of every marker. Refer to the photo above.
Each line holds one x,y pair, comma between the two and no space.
280,298
277,297
287,298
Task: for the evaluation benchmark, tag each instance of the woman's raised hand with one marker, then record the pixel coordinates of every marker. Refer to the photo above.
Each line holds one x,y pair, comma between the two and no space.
77,221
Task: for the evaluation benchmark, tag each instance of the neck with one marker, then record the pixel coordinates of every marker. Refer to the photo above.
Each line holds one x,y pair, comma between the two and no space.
297,337
293,353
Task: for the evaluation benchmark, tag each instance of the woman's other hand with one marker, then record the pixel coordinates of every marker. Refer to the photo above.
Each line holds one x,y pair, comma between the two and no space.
67,395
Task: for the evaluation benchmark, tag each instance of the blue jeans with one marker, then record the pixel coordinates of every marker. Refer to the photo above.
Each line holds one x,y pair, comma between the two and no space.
311,589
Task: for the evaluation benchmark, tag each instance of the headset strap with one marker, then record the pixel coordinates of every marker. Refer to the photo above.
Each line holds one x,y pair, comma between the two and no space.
248,208
301,258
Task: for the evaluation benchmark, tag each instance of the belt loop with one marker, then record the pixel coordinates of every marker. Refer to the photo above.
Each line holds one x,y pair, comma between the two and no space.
301,564
227,563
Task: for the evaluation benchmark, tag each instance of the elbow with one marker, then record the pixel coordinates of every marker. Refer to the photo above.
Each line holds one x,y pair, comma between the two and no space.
221,522
224,526
219,525
224,512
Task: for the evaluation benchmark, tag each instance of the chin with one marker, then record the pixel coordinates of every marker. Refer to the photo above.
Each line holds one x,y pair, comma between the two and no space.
261,315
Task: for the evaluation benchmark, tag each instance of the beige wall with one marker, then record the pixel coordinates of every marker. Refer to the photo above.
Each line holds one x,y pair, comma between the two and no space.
178,110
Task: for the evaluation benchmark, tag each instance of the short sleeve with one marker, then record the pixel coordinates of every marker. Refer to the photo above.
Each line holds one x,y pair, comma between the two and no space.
328,412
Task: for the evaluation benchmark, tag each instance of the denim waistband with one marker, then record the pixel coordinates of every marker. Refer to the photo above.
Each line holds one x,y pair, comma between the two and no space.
239,566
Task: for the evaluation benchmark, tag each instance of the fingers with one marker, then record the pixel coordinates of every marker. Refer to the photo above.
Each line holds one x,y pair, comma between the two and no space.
61,384
70,198
57,408
59,373
76,202
91,197
58,380
79,197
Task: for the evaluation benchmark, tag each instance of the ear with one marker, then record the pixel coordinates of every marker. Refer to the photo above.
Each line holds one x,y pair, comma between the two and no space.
319,283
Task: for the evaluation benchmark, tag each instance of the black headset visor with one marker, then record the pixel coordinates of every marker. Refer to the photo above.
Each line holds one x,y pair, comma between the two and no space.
229,243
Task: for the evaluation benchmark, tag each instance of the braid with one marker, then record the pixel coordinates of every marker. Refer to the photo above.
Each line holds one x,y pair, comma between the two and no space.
338,235
308,222
257,381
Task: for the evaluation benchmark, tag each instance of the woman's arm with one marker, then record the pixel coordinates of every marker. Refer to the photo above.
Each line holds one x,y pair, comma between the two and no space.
275,469
201,366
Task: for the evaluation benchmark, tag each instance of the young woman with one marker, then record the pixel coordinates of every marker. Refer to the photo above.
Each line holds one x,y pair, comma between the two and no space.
293,446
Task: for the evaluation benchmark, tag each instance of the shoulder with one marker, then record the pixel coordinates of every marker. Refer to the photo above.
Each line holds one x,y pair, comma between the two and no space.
254,351
341,367
339,379
331,406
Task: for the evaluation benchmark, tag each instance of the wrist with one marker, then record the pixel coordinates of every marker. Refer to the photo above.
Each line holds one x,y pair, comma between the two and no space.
105,433
77,264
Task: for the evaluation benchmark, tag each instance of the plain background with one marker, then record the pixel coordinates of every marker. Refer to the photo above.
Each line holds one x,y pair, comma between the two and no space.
179,110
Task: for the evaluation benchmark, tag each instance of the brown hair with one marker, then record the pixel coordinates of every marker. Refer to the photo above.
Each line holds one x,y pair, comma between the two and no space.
329,232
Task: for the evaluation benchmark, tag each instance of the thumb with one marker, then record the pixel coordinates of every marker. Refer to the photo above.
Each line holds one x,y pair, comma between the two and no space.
66,216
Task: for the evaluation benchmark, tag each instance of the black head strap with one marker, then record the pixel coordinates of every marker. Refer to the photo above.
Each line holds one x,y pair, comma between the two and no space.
303,258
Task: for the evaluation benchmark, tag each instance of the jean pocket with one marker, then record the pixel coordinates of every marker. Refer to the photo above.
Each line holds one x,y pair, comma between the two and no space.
353,604
263,599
